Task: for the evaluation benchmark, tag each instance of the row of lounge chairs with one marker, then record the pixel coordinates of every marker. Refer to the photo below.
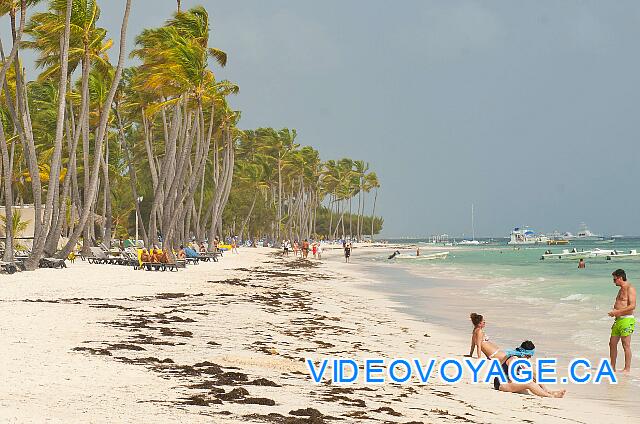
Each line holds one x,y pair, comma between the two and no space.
101,255
131,257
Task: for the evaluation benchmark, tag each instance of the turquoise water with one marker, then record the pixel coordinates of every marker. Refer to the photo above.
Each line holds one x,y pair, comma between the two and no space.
562,308
553,302
519,272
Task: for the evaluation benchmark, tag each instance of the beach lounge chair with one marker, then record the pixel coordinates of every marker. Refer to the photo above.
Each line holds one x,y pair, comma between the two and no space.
157,266
52,263
101,257
209,256
130,259
8,267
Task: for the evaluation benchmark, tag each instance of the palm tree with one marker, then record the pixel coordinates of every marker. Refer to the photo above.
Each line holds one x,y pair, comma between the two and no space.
84,43
100,136
372,182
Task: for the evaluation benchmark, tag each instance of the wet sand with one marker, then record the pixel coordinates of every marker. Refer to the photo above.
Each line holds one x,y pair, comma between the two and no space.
226,342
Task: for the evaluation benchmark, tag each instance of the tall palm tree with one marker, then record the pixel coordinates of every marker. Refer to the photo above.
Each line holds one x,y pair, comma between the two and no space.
100,135
373,183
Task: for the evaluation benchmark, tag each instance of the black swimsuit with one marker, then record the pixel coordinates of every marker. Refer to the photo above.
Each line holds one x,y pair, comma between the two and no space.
505,368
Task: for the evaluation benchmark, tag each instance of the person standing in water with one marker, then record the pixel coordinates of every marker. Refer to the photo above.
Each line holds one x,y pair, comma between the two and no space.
625,322
581,264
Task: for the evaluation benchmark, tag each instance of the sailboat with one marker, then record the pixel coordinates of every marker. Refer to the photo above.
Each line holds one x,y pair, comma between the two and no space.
473,241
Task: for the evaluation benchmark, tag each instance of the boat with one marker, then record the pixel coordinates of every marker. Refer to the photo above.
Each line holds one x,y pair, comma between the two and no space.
469,242
566,254
525,235
556,239
633,254
554,242
431,256
473,241
586,235
609,241
602,253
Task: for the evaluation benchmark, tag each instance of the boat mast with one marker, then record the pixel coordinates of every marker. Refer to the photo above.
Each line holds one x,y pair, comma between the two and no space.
473,229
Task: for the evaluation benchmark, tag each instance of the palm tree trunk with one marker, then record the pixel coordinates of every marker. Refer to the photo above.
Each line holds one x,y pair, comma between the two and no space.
373,212
106,236
133,179
101,134
8,197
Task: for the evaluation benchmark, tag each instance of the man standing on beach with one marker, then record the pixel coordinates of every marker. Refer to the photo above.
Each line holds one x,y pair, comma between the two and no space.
625,322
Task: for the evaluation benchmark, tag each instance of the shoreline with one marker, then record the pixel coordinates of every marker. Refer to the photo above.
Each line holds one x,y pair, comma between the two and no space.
104,343
447,302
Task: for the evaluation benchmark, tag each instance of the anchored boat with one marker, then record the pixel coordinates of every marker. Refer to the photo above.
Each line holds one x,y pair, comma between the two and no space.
633,254
525,235
566,254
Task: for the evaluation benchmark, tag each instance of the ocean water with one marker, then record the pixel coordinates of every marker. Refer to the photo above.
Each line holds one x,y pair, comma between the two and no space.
562,308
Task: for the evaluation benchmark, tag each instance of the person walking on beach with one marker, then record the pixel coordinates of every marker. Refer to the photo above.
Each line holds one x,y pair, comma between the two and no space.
285,247
624,322
319,251
305,248
314,249
295,248
347,252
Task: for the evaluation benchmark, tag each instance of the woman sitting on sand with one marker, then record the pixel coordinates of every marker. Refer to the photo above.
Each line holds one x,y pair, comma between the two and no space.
526,350
480,341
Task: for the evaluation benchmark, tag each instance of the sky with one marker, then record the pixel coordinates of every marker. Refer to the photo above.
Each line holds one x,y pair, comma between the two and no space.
527,110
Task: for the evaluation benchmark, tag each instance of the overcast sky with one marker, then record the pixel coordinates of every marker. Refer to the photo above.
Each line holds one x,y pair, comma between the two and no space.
528,110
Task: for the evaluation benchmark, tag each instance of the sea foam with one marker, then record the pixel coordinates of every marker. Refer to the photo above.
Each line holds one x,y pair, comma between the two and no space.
578,297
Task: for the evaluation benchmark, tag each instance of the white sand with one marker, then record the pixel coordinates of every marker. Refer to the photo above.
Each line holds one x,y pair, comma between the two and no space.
264,325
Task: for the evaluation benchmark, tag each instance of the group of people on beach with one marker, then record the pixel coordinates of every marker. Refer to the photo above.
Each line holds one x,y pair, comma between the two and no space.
304,248
313,247
621,331
191,250
155,255
481,344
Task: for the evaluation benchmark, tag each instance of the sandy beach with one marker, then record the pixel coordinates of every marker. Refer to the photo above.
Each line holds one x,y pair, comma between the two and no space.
226,342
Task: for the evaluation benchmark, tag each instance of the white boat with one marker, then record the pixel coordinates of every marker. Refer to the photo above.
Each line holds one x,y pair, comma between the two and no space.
525,235
609,241
566,254
602,253
473,241
633,254
469,242
586,234
439,255
431,256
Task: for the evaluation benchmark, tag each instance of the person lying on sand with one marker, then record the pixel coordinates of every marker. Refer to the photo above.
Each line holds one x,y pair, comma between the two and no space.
480,342
526,350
